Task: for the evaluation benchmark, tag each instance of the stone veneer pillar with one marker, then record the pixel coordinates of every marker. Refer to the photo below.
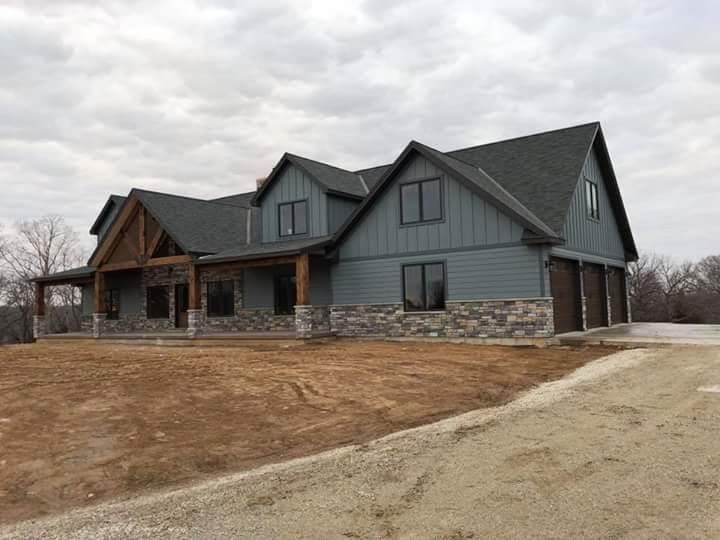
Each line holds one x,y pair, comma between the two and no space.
303,321
38,326
99,324
195,322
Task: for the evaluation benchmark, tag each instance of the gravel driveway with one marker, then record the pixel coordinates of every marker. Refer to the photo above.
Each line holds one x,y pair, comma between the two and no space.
627,446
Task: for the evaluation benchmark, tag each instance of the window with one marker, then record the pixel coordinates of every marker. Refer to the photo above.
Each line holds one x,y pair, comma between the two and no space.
158,302
591,199
421,201
285,295
112,304
221,298
293,218
424,287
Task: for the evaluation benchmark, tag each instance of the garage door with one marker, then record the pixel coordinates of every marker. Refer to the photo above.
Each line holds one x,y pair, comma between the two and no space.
616,285
565,284
595,302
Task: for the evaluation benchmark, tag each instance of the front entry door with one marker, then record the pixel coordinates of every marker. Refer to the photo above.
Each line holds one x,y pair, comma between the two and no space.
181,305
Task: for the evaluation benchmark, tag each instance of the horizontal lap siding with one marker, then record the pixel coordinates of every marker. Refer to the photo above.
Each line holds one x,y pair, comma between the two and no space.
468,221
588,236
293,185
511,272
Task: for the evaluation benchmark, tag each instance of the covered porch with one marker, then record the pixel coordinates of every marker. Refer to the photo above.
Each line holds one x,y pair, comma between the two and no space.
247,297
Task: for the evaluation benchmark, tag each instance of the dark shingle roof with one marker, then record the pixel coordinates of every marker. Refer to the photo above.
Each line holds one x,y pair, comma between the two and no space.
541,170
331,177
197,226
72,273
239,199
373,174
252,251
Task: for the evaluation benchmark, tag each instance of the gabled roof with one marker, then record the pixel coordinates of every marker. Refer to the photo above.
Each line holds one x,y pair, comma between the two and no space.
541,170
331,179
475,178
197,226
112,202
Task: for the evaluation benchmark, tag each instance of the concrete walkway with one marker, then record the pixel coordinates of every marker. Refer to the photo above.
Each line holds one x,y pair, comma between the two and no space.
650,334
627,446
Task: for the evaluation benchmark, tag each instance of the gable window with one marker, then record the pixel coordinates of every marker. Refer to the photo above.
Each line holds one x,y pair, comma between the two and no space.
158,302
591,199
293,218
421,201
221,298
285,295
112,304
424,287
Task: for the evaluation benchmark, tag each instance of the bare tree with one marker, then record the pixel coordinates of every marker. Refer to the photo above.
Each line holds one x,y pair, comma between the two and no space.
708,270
38,248
645,288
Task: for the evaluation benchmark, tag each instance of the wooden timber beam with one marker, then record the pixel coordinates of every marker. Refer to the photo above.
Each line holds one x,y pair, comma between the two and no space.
40,299
154,242
254,263
194,296
143,232
302,279
159,261
113,236
99,292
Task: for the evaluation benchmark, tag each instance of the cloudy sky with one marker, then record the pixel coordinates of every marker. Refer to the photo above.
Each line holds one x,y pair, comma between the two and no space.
201,98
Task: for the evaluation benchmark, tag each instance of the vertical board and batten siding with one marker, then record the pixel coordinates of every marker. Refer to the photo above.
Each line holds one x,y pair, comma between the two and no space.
468,221
369,269
339,209
585,235
293,185
510,272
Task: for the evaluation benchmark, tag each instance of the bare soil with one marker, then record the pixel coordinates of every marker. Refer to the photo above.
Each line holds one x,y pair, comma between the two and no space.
85,423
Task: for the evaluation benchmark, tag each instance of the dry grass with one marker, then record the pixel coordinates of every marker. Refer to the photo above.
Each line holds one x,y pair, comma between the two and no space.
85,423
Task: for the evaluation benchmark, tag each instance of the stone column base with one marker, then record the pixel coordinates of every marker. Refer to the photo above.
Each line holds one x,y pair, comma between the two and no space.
303,321
196,322
38,326
99,324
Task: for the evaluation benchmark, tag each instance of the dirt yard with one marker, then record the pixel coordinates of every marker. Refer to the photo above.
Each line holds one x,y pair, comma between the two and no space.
83,424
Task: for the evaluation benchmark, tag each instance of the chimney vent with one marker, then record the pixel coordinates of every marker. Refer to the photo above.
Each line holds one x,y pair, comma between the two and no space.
259,181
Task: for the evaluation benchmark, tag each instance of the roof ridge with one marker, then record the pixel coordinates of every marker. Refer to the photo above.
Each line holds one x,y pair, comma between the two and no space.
183,197
319,162
523,137
359,171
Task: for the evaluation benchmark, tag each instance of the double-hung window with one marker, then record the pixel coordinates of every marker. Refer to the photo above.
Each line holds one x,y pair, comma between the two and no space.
221,298
292,217
421,201
591,199
424,287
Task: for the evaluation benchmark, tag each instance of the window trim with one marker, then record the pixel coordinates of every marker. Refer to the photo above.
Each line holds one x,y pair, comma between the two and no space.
207,303
443,263
595,190
147,301
292,206
108,312
419,182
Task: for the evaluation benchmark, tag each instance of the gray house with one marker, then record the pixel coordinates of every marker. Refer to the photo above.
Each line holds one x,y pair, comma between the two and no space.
516,240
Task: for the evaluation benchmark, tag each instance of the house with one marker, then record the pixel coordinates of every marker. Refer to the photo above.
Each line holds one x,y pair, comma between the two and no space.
522,238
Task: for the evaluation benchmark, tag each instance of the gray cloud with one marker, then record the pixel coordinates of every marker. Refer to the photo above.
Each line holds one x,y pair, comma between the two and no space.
201,98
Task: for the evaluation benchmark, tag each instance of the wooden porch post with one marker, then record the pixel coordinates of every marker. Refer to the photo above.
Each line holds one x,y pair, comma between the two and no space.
302,279
194,298
39,299
99,292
